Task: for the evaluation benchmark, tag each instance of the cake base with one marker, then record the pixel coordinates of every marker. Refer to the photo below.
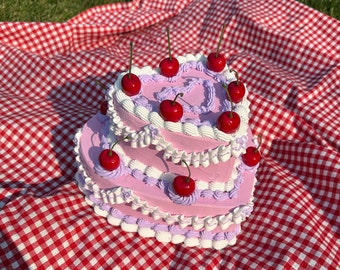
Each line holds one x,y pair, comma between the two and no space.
217,225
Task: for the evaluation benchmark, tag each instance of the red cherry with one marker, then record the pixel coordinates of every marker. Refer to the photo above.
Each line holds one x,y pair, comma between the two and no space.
131,84
216,63
103,107
236,90
251,157
169,66
184,185
171,110
228,122
109,159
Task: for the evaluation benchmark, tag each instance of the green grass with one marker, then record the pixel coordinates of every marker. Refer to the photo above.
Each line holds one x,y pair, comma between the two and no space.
45,10
63,10
329,7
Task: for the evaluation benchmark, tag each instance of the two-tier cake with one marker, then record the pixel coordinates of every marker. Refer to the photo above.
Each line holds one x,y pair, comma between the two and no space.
180,181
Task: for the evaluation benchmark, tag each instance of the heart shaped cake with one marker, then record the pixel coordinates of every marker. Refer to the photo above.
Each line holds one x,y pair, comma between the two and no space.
180,179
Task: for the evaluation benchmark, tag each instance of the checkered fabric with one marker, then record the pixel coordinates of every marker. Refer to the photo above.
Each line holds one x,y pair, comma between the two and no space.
286,53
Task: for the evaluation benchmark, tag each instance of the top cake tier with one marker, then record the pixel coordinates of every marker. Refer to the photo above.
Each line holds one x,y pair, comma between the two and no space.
195,137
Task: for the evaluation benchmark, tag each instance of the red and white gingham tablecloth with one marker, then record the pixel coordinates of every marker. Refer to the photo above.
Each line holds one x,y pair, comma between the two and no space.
287,53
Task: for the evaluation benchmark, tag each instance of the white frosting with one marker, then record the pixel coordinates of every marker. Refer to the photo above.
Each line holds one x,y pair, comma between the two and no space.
164,233
167,227
121,195
144,138
209,223
149,171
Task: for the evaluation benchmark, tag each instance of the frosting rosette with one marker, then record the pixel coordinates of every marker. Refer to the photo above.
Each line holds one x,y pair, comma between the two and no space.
183,200
110,174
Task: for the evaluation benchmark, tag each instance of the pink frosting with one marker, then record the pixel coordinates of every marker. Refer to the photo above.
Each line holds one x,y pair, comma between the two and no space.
188,85
156,197
160,227
168,188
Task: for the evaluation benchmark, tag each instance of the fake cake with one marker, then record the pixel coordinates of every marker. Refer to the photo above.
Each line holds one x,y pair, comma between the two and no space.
213,192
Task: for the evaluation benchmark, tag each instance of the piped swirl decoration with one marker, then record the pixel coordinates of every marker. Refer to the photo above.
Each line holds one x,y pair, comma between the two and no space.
110,174
152,117
150,135
189,84
183,200
121,195
192,229
176,234
152,176
153,173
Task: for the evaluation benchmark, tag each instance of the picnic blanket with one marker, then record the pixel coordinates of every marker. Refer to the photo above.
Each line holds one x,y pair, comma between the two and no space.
287,54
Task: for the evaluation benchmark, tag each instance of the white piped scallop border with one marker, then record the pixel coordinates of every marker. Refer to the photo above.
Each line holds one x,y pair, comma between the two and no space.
166,235
155,173
118,196
190,129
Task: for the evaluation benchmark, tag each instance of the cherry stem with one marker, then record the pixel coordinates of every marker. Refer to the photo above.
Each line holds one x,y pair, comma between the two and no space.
260,142
131,47
189,176
169,47
111,149
220,41
236,75
174,101
101,85
229,98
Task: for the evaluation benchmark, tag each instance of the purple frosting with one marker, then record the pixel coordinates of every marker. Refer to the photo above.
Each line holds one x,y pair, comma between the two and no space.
142,101
137,174
245,167
102,118
226,106
229,235
217,195
207,193
95,200
176,230
105,207
219,236
126,194
144,223
206,235
151,181
192,233
81,180
183,200
241,143
173,229
129,219
160,228
220,195
189,84
153,131
116,213
187,87
110,174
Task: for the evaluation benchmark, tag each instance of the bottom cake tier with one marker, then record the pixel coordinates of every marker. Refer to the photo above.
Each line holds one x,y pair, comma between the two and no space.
144,208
